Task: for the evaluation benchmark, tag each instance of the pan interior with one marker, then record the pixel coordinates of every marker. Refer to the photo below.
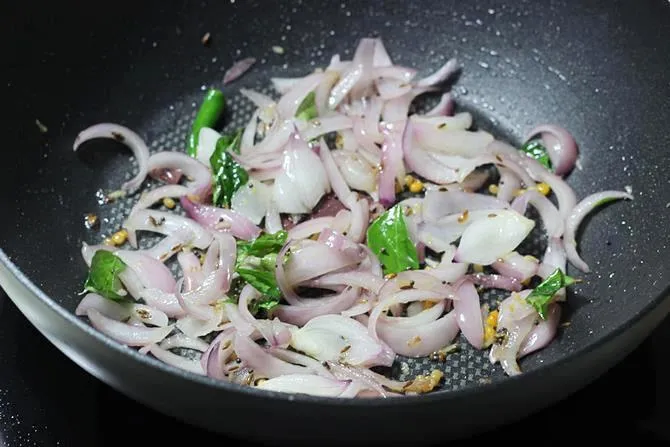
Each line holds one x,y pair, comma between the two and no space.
151,79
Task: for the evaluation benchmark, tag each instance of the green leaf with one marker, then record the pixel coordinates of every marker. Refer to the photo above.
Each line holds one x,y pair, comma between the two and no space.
256,262
535,149
542,295
263,280
208,114
307,109
263,245
265,302
229,175
388,238
103,276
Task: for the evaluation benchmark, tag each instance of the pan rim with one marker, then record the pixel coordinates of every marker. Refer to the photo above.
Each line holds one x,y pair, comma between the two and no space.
461,393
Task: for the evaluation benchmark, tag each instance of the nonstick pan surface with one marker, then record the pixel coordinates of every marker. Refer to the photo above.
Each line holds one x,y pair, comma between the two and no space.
598,69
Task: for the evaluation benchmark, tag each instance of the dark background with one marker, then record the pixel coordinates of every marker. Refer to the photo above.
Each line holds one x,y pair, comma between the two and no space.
47,400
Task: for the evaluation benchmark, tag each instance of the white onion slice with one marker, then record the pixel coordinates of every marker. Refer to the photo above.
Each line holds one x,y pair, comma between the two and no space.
338,338
251,200
261,362
126,136
469,315
184,341
149,198
207,139
291,100
109,308
153,273
441,75
305,384
198,174
577,214
487,239
167,224
127,334
190,365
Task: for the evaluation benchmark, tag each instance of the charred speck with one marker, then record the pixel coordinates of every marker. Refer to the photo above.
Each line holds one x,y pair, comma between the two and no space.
407,286
442,189
118,137
501,336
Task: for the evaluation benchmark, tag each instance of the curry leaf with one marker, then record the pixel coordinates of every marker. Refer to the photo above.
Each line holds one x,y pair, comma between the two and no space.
542,295
388,238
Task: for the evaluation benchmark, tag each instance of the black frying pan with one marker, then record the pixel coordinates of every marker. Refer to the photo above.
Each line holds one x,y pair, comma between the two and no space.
597,68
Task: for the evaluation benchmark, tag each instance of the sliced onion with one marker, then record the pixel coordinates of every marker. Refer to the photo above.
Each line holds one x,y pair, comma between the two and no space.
435,127
261,362
198,174
305,384
397,109
358,173
284,85
291,100
310,308
439,236
389,88
272,218
220,219
251,200
125,333
168,246
577,214
126,136
439,203
191,270
443,74
198,311
516,266
260,100
360,218
416,318
153,273
110,309
543,332
517,318
190,365
194,327
554,258
303,181
249,133
312,260
508,184
551,218
183,341
465,143
469,315
339,338
560,144
486,240
335,178
207,139
167,224
300,359
166,302
392,165
238,69
149,198
443,108
322,126
149,315
380,57
420,341
309,227
496,282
